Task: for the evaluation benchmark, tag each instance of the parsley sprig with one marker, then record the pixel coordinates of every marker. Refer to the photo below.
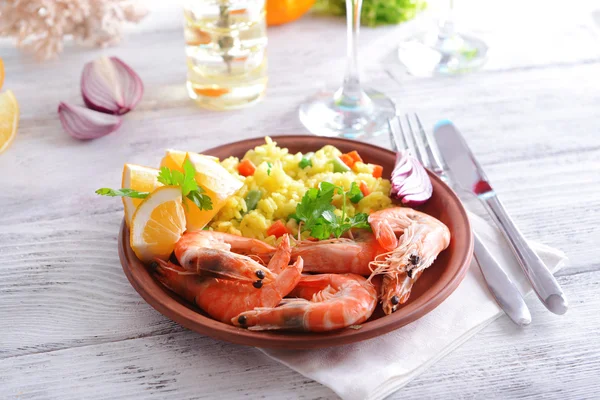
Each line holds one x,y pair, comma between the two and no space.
318,216
185,180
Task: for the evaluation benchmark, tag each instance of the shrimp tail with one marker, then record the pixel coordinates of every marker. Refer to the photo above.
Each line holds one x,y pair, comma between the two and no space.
288,315
174,278
384,233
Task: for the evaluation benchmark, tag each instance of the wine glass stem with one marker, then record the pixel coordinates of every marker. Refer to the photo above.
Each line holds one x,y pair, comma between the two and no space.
351,93
446,24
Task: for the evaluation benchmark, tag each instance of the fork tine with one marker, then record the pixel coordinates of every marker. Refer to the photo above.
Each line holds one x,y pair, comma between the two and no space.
396,137
431,149
417,144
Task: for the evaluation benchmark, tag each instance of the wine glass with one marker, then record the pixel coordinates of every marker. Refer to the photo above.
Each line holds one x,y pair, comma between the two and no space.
442,51
349,111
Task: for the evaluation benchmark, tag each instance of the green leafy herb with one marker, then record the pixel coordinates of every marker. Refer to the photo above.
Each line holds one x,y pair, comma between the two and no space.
354,194
168,177
189,179
318,214
202,201
375,12
122,193
269,165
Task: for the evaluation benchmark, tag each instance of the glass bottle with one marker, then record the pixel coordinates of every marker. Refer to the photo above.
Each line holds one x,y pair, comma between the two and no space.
226,49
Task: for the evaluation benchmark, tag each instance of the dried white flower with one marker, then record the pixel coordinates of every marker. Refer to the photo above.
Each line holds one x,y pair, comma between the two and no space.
40,26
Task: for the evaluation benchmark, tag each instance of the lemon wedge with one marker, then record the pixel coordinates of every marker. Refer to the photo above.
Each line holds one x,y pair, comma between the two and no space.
142,179
218,184
9,119
174,159
157,224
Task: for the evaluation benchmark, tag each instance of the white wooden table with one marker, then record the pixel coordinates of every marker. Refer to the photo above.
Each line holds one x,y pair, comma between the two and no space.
71,326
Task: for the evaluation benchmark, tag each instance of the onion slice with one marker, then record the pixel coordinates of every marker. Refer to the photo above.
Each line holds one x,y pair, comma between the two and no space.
85,124
110,86
410,182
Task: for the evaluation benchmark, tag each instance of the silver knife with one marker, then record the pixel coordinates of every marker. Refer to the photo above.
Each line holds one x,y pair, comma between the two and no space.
501,286
467,173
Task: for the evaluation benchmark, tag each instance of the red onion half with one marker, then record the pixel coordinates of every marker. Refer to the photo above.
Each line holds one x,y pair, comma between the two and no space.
110,86
85,124
410,182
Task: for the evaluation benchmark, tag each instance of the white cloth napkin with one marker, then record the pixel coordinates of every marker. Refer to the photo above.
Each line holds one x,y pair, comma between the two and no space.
375,368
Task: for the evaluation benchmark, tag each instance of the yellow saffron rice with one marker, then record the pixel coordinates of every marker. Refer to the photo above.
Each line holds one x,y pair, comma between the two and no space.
282,183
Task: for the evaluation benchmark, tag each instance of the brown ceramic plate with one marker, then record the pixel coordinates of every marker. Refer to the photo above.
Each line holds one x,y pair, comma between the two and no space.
436,283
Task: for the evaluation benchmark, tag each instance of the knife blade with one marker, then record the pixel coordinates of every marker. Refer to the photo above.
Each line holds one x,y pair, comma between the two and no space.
466,172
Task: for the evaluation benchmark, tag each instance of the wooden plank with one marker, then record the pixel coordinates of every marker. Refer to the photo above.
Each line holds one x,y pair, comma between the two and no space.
67,310
73,232
546,360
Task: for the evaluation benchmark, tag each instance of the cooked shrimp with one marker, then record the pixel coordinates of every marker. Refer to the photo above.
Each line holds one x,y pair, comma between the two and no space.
224,256
325,302
338,256
224,299
423,238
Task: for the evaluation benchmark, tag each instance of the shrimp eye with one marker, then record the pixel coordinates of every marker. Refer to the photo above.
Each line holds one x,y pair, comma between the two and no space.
258,284
410,273
414,259
260,274
242,320
395,300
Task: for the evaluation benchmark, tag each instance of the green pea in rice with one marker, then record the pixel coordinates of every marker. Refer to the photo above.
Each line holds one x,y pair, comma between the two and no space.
282,184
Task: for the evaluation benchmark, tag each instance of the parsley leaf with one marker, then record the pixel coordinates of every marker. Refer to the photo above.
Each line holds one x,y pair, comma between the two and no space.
269,165
186,180
321,231
318,214
122,193
202,201
170,177
188,183
360,220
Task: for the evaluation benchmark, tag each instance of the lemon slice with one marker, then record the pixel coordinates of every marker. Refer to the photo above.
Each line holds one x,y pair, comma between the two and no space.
142,179
157,224
218,184
9,119
174,159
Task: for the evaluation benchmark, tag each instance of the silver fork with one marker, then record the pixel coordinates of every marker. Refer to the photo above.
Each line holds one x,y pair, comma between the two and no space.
403,136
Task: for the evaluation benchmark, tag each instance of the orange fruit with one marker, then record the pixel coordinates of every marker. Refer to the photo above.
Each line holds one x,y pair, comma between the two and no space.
283,11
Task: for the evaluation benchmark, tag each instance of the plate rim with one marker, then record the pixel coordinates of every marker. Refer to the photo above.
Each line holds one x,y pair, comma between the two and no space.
191,319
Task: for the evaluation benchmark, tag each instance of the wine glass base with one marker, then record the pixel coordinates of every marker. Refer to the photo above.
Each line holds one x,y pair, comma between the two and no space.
323,116
429,53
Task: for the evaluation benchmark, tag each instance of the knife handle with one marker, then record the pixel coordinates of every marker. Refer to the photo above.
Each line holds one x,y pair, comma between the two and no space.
502,288
541,279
